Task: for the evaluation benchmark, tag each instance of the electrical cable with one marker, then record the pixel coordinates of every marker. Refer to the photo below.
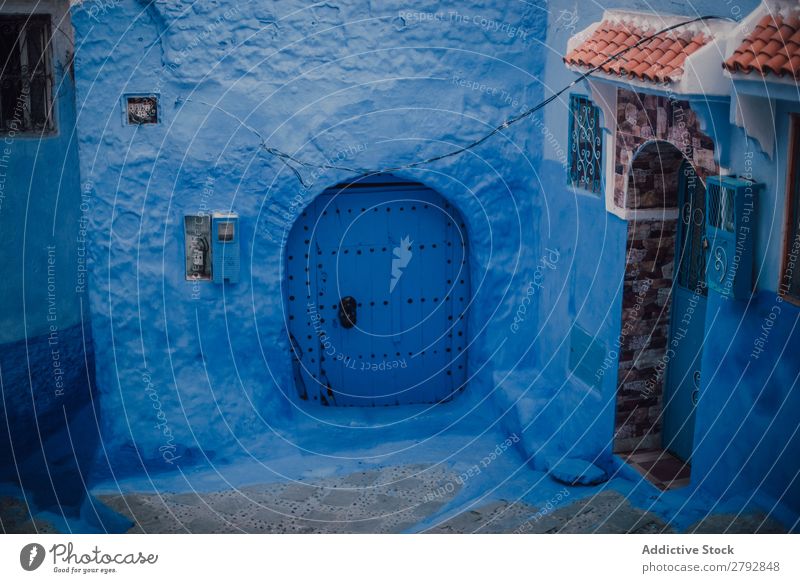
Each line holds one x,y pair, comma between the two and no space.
290,161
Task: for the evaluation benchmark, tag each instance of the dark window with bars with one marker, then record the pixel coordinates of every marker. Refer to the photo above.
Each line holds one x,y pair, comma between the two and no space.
790,278
25,75
585,145
720,211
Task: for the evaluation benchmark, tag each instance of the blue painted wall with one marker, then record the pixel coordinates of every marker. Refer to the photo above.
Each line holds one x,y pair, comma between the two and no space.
199,371
746,439
746,430
46,356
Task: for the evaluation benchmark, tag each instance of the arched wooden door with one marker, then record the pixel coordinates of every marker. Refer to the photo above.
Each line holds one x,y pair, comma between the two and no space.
376,292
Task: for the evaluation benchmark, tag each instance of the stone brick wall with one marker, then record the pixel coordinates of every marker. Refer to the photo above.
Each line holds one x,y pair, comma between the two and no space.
643,118
645,332
654,136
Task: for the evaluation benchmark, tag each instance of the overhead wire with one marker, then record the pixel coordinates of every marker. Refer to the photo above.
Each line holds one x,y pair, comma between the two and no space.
294,163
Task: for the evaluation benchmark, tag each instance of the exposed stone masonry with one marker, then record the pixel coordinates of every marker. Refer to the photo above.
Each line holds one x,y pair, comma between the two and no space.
645,332
655,134
643,118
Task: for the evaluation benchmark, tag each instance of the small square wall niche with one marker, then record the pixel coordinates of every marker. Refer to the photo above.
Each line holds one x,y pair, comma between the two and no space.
140,110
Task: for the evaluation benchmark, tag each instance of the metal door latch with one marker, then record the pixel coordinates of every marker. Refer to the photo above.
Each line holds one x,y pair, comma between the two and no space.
347,311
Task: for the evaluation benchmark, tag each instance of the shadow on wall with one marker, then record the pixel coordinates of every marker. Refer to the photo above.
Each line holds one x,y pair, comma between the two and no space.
52,438
747,436
48,428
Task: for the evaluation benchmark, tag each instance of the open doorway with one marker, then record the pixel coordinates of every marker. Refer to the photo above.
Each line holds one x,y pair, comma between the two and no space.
663,316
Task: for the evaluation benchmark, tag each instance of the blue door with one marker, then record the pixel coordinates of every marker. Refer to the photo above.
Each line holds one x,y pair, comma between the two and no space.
377,291
687,328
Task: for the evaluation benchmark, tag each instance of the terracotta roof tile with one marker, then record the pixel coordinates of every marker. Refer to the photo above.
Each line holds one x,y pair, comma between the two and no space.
745,60
660,59
772,48
792,66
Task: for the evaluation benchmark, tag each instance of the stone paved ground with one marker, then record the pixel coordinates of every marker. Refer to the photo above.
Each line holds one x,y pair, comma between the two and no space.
608,512
15,518
737,524
386,500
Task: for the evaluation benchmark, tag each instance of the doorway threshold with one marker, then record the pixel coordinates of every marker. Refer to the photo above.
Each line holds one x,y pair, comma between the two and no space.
659,467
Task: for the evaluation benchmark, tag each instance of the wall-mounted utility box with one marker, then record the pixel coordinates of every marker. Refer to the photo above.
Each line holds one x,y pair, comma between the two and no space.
730,234
225,247
197,247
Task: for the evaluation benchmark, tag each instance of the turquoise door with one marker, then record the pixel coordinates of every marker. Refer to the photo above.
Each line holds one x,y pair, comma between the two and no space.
687,328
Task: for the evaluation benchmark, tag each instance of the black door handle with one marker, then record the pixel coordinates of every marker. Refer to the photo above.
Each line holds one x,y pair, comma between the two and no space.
347,311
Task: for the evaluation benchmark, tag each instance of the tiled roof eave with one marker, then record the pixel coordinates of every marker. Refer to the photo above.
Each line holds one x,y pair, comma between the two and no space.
770,77
770,50
739,77
671,85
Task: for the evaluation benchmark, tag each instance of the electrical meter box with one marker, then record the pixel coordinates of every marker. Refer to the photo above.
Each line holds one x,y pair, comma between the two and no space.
730,235
225,246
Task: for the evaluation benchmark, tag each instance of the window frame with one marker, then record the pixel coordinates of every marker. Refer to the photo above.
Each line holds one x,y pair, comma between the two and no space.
48,74
598,189
790,209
